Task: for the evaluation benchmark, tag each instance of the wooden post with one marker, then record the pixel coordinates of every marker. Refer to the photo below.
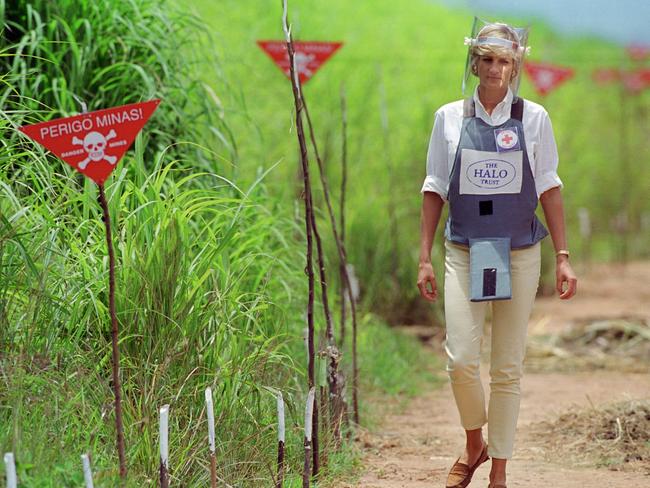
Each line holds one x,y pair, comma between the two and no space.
340,246
117,389
164,447
344,180
211,438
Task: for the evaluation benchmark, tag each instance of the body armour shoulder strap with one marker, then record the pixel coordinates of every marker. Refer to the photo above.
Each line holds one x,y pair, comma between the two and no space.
516,110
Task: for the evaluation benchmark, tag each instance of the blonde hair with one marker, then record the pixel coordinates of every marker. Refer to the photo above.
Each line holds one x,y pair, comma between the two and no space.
501,31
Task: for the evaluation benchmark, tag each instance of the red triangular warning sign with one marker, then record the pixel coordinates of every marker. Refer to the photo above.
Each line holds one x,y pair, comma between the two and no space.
93,143
310,56
604,76
546,77
638,52
636,80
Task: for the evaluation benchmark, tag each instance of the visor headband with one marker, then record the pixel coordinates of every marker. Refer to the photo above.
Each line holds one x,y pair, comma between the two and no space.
497,41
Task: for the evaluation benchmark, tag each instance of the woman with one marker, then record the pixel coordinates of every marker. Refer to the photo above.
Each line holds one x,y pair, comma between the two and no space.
492,157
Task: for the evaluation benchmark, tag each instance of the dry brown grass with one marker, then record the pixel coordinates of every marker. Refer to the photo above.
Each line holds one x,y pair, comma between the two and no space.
616,436
621,344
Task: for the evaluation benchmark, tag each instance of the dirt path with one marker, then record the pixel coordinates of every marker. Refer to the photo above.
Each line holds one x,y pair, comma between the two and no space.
416,447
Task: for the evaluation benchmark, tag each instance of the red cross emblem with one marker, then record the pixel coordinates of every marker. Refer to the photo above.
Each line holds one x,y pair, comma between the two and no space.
506,139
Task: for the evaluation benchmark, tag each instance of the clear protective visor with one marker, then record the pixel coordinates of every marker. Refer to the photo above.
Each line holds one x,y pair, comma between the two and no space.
498,38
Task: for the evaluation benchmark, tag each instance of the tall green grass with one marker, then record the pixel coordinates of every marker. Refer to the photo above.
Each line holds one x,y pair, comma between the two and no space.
106,53
202,283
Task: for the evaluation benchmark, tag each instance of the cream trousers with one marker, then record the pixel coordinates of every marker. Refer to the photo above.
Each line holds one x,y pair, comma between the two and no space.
464,323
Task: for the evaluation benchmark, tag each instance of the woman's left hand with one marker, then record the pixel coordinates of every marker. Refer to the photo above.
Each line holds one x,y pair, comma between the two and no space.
564,274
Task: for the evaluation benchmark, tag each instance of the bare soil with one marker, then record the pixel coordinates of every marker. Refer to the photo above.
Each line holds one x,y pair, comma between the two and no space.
564,400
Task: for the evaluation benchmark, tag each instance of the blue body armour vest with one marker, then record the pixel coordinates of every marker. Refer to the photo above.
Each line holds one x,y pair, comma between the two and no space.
492,189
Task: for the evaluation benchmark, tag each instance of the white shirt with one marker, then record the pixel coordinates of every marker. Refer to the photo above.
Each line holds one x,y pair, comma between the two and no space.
538,134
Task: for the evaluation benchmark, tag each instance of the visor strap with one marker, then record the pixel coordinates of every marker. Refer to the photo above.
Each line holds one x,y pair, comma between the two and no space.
483,41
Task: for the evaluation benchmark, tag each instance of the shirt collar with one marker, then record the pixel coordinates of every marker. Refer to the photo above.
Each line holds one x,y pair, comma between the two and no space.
501,112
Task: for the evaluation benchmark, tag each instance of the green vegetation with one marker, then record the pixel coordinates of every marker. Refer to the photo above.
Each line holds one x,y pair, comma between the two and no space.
208,228
210,282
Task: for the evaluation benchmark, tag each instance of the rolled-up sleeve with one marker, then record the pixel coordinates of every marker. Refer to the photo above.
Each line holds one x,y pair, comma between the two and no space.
546,159
437,178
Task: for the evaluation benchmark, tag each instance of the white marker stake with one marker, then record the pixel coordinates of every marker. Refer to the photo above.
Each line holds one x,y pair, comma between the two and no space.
164,435
88,474
210,409
280,479
280,418
309,413
213,457
164,446
10,469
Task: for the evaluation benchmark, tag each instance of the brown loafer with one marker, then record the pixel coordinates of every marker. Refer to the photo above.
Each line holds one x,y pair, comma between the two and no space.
497,486
461,474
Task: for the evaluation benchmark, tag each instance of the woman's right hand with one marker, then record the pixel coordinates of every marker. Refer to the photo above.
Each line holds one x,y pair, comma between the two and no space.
426,276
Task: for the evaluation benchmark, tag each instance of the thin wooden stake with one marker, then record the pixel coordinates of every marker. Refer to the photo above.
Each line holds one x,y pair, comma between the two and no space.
308,209
164,446
10,470
88,474
309,414
280,441
304,160
344,180
114,335
211,437
340,246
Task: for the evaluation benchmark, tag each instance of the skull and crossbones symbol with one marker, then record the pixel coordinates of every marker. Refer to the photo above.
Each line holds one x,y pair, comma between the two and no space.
95,144
302,62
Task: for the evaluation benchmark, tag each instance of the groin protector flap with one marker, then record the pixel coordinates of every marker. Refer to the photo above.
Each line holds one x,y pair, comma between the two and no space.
489,267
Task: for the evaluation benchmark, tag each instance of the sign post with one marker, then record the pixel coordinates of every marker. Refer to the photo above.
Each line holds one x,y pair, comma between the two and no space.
93,143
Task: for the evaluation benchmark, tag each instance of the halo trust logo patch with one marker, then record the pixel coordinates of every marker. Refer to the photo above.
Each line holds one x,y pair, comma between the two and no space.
507,139
491,173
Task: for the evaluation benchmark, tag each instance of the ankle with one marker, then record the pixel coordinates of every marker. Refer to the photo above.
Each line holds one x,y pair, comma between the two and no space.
498,470
475,445
498,476
474,439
